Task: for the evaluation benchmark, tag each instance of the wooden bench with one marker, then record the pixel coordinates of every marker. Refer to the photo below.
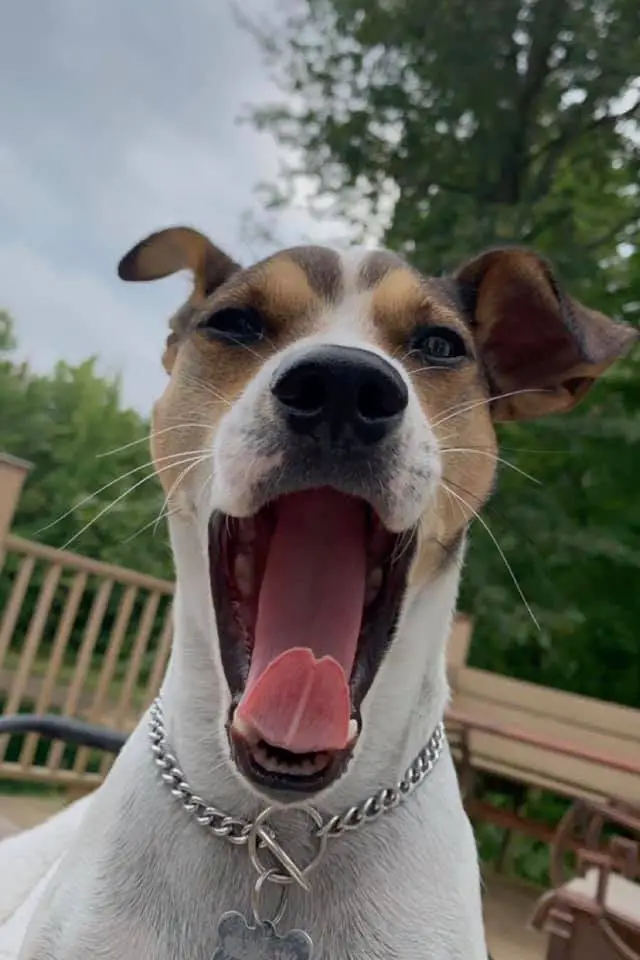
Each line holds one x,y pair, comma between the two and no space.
529,736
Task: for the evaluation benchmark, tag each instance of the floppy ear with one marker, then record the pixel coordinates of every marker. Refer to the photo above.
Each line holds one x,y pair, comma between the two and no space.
168,251
532,337
178,248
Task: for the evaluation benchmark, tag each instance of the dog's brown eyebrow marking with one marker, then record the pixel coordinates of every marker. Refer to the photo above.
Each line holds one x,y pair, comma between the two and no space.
376,266
323,268
448,292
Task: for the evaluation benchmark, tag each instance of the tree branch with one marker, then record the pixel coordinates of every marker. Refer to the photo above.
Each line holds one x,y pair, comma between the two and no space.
549,16
573,131
613,231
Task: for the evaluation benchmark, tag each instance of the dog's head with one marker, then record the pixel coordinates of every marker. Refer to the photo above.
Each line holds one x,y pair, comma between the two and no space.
329,422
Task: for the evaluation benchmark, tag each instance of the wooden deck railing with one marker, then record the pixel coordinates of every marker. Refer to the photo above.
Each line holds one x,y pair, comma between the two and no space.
80,638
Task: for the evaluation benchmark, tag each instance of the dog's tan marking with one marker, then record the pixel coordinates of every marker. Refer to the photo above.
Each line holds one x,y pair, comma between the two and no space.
208,376
284,292
403,301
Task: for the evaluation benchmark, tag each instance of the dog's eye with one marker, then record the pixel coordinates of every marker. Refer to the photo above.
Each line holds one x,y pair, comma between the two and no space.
439,345
233,325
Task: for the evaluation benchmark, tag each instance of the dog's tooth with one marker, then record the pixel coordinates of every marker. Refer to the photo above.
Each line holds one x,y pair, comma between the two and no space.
243,573
373,584
247,732
354,730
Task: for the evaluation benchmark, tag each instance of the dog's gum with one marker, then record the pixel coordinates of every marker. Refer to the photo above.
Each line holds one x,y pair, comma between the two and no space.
373,584
243,574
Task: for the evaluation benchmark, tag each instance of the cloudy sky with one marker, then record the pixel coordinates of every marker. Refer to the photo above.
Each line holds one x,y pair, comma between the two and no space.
117,118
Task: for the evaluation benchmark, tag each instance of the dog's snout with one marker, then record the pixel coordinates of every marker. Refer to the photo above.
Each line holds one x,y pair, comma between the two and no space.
340,393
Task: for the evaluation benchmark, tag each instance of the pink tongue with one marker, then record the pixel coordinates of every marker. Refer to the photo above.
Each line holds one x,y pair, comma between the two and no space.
309,618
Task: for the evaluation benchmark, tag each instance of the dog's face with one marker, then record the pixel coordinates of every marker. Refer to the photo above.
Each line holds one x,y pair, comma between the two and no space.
329,420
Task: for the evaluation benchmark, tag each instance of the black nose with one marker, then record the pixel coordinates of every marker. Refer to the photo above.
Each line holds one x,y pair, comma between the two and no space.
335,393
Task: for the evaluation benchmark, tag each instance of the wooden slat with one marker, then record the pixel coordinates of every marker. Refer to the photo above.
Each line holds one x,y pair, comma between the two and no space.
572,745
162,656
569,765
90,638
95,714
61,640
574,748
14,604
63,778
125,705
542,702
76,561
32,639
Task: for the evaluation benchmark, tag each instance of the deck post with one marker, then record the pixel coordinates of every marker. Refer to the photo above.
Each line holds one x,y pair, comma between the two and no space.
13,473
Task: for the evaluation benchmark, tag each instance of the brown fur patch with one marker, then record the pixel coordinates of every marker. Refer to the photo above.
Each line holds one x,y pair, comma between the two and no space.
286,292
323,270
376,266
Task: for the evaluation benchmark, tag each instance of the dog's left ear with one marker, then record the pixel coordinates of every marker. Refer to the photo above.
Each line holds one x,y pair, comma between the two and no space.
540,346
169,251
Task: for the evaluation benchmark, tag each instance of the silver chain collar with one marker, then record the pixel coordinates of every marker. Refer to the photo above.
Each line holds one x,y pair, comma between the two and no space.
259,835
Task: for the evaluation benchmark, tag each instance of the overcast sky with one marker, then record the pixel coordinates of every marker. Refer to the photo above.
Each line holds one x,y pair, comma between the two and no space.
117,118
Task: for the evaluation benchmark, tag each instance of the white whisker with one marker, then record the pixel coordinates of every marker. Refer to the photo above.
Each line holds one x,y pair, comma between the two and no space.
492,456
149,436
498,548
111,483
151,523
206,386
463,408
174,487
115,502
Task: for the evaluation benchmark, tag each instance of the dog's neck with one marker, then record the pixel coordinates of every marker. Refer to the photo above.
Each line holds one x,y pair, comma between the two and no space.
399,714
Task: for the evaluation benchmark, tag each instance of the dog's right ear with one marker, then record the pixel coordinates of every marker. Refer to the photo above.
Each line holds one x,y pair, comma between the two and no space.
178,248
169,251
542,351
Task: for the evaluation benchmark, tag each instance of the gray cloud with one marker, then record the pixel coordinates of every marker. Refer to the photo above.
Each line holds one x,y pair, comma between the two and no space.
116,119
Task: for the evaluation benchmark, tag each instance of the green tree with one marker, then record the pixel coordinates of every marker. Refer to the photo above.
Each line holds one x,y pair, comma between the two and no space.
65,423
445,128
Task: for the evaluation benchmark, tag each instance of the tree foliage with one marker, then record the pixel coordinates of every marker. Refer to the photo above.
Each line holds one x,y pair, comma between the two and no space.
459,126
66,423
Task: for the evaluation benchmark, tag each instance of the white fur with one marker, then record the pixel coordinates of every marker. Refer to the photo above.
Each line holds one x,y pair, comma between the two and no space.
143,881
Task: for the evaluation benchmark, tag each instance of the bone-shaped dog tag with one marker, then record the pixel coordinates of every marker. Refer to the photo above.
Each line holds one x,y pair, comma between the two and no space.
239,941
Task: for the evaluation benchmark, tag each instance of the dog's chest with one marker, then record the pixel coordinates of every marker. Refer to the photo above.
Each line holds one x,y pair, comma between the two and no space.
359,908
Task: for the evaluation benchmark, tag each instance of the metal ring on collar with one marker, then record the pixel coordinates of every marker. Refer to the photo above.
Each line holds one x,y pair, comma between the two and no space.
255,900
263,835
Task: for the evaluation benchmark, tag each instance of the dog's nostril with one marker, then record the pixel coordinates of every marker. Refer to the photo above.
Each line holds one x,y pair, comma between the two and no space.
381,398
306,393
302,391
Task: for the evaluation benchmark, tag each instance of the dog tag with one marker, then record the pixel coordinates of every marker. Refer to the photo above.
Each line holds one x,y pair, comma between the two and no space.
239,941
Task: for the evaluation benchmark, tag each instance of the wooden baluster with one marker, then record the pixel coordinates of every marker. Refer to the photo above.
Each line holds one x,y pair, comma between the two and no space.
60,643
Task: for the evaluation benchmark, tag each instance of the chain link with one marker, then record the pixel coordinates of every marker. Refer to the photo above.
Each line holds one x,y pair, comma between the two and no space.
237,830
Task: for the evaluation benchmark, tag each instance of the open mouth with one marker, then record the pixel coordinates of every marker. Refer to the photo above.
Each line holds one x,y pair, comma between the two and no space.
306,595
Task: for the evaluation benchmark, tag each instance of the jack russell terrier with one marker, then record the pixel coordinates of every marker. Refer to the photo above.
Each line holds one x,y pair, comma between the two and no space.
325,437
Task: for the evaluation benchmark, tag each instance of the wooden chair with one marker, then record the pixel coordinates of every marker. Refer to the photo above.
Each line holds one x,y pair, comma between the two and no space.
594,915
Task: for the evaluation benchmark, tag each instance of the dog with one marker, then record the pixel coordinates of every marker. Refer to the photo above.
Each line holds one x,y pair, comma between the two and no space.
325,437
